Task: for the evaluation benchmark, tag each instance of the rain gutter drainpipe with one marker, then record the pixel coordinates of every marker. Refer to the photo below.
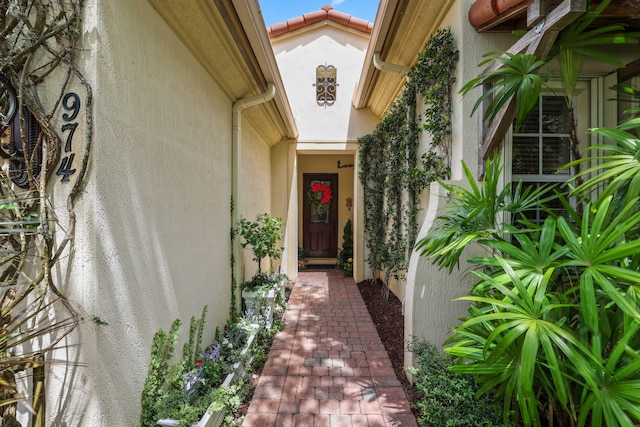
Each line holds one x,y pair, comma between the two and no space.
236,161
388,66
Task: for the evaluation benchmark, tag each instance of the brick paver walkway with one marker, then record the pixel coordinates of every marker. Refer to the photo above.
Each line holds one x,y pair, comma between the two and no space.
328,367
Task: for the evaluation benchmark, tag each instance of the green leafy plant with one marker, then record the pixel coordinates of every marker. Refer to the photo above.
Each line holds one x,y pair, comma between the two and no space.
303,259
345,254
264,281
553,321
552,329
447,398
542,323
162,349
621,169
262,236
434,78
518,78
478,213
392,174
186,389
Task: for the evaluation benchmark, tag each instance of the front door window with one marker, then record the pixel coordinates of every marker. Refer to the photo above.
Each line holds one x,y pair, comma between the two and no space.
320,199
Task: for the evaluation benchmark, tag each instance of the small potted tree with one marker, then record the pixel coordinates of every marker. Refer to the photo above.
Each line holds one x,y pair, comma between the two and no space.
345,255
262,236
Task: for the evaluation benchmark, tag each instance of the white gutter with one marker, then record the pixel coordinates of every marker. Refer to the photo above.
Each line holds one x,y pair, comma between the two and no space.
236,162
381,26
388,66
251,18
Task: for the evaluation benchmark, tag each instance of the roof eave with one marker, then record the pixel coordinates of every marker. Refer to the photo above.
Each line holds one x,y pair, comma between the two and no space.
382,23
229,39
251,17
401,29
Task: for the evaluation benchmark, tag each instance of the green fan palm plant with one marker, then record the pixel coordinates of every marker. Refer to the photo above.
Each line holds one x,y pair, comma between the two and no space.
577,42
552,325
524,346
530,338
620,173
614,399
519,79
477,213
553,322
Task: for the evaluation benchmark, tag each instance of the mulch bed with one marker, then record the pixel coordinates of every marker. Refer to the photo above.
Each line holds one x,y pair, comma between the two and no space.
389,321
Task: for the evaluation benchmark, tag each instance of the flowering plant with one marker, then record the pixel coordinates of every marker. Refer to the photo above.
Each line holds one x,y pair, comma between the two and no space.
199,381
186,389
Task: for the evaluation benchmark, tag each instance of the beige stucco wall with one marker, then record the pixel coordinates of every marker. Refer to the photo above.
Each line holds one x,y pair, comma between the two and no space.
255,188
430,309
152,242
298,55
284,196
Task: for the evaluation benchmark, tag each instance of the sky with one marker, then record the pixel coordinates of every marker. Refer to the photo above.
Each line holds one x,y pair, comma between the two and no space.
275,11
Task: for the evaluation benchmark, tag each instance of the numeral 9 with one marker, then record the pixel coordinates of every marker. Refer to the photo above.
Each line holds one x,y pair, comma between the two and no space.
73,106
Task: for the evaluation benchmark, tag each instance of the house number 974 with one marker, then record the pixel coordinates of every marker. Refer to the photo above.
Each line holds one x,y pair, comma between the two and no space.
71,104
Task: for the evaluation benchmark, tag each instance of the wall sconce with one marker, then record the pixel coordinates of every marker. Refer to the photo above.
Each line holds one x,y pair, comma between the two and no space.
349,203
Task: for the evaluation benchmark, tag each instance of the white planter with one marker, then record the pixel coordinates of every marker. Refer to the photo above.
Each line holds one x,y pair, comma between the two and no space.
213,418
252,301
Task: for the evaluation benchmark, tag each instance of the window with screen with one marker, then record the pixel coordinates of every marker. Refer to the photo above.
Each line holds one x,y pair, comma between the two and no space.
541,147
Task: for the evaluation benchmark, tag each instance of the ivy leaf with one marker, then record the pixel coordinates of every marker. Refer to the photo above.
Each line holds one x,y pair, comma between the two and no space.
98,321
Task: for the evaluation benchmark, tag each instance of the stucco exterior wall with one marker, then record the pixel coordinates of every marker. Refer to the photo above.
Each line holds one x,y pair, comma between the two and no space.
255,188
430,309
152,242
298,56
284,197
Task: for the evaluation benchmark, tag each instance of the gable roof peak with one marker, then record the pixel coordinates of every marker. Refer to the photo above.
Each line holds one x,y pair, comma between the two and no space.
326,12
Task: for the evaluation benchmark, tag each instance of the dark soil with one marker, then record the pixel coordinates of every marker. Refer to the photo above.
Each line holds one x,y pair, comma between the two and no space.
389,321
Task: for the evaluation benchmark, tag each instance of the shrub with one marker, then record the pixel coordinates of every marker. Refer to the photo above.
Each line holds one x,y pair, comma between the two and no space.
448,399
262,236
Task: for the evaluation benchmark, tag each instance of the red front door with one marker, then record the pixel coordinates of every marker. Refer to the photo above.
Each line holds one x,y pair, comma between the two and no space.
320,217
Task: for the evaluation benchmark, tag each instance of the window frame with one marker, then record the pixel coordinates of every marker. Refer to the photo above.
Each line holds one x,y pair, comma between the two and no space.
582,111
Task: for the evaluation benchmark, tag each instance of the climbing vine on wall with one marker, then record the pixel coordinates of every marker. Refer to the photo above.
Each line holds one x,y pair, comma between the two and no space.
434,79
44,99
393,172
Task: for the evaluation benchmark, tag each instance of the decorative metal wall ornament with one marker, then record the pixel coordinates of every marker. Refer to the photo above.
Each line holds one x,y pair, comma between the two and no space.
11,141
326,84
8,102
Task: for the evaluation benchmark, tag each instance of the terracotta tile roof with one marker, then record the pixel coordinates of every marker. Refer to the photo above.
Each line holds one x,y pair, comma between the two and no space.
326,12
483,11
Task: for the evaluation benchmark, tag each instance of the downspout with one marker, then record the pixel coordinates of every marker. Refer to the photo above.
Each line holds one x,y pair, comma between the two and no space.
388,66
238,106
